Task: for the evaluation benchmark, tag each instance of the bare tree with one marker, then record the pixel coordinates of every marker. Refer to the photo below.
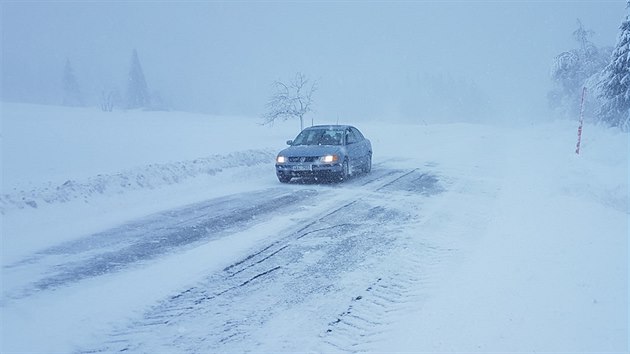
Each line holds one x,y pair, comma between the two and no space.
290,100
107,100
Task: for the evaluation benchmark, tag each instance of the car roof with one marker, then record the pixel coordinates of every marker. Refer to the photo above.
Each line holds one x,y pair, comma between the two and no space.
330,127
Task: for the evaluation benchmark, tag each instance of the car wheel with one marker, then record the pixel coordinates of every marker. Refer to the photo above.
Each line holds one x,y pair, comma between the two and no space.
368,164
284,179
343,175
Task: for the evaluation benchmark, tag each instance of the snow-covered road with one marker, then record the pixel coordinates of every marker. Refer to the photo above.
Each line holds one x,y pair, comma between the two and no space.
463,238
301,283
323,277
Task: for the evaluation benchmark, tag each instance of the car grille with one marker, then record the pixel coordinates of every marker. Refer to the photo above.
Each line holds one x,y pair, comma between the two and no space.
303,159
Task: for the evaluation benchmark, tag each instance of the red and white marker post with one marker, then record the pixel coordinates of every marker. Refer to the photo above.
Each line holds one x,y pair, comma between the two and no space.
579,141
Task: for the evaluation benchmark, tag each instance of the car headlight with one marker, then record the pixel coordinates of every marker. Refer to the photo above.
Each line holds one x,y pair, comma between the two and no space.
281,159
329,158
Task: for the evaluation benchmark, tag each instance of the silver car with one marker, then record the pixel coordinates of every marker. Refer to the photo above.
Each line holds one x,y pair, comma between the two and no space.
325,152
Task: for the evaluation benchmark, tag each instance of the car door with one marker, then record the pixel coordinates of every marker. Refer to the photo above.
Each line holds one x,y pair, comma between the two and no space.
353,148
365,144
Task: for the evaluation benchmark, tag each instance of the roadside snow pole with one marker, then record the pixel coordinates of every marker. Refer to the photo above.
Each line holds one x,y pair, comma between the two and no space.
579,141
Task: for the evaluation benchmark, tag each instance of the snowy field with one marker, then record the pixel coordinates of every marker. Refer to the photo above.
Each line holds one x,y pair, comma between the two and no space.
169,232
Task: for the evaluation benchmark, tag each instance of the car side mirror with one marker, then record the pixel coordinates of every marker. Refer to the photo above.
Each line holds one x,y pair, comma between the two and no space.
289,142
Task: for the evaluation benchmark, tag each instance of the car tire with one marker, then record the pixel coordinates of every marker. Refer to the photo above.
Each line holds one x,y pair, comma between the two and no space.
368,164
284,179
345,171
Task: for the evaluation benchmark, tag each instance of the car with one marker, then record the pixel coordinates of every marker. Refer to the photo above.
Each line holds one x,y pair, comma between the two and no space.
325,152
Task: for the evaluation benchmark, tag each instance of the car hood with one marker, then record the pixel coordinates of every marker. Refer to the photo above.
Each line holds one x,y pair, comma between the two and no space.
310,150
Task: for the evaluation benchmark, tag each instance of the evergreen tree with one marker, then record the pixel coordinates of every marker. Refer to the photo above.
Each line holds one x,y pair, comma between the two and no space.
71,92
137,90
615,86
572,70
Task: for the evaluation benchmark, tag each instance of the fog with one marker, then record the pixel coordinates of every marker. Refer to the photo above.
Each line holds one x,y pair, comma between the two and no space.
421,60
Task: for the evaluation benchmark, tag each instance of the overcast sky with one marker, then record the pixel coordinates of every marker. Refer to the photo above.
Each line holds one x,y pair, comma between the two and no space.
370,59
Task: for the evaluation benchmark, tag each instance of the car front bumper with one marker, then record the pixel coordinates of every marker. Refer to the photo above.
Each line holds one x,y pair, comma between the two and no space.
308,169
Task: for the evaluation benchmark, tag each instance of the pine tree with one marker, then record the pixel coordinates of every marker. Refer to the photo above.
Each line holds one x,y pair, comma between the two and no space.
137,90
71,92
615,86
574,68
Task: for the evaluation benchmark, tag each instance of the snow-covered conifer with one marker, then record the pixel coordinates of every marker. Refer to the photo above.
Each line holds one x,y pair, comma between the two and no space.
71,92
615,85
572,70
137,89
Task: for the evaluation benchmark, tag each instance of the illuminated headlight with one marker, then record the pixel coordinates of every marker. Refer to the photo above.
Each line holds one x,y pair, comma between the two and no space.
281,159
329,158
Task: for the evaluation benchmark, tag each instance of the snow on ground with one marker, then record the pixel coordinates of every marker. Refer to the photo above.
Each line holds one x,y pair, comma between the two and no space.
76,171
533,238
548,271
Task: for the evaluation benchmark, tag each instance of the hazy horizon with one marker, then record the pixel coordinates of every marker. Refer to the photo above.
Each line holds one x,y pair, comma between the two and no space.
370,59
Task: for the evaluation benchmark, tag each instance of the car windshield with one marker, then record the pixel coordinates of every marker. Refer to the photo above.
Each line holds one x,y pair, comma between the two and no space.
319,137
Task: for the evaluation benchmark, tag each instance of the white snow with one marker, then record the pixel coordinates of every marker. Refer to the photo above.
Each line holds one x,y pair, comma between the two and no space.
548,267
537,237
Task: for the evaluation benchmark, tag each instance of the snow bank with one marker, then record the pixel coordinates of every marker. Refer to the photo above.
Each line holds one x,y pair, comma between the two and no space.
149,177
68,172
48,145
58,154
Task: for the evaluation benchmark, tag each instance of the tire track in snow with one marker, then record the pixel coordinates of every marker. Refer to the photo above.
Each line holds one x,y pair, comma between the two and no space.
304,265
368,314
144,240
364,324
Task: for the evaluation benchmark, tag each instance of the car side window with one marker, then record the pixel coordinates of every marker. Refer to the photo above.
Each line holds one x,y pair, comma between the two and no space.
357,134
350,137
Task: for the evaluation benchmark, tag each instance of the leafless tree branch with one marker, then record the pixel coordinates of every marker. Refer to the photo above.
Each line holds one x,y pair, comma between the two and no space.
290,100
